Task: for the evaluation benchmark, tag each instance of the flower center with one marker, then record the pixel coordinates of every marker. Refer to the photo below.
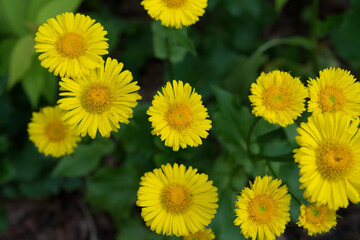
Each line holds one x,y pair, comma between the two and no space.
55,131
96,99
334,160
277,98
179,116
261,209
175,198
331,99
316,214
174,3
71,45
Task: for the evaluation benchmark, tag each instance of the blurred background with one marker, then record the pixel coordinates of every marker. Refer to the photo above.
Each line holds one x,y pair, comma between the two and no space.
91,194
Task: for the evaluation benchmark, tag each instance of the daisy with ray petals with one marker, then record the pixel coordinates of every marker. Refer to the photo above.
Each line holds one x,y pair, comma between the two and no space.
205,234
50,134
176,201
178,116
329,159
334,91
175,13
263,209
99,101
316,219
278,97
71,45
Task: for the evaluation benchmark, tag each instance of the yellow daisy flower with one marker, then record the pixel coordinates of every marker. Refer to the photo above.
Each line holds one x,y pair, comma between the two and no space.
263,209
205,234
99,101
178,116
177,201
175,13
71,45
278,97
334,91
316,219
50,134
329,159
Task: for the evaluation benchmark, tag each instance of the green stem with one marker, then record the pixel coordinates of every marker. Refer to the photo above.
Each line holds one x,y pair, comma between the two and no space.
248,141
275,176
314,32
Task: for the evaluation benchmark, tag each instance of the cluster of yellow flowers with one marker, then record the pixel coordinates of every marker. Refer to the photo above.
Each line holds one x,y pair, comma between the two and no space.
328,155
97,95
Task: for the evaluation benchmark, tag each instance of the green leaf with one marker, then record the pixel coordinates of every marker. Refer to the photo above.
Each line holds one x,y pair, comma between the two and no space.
35,6
136,227
222,172
222,224
35,189
113,190
4,143
289,174
170,43
20,59
51,88
263,127
56,7
85,159
33,83
279,5
231,121
291,133
180,36
244,72
6,45
29,163
4,222
14,12
7,171
136,136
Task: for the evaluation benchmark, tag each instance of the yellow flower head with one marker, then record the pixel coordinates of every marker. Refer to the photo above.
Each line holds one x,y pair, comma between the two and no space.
278,97
334,91
329,159
316,219
178,115
177,201
71,45
263,209
99,101
50,134
175,13
205,234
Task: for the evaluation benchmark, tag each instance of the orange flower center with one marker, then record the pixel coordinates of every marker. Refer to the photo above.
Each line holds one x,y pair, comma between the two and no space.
334,160
96,99
55,131
262,209
71,45
316,214
174,3
175,198
277,98
331,99
179,116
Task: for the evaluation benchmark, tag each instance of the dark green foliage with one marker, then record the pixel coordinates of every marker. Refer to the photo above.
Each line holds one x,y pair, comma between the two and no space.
220,56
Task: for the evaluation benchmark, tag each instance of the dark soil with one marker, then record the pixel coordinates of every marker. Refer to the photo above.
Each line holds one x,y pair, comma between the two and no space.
65,217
